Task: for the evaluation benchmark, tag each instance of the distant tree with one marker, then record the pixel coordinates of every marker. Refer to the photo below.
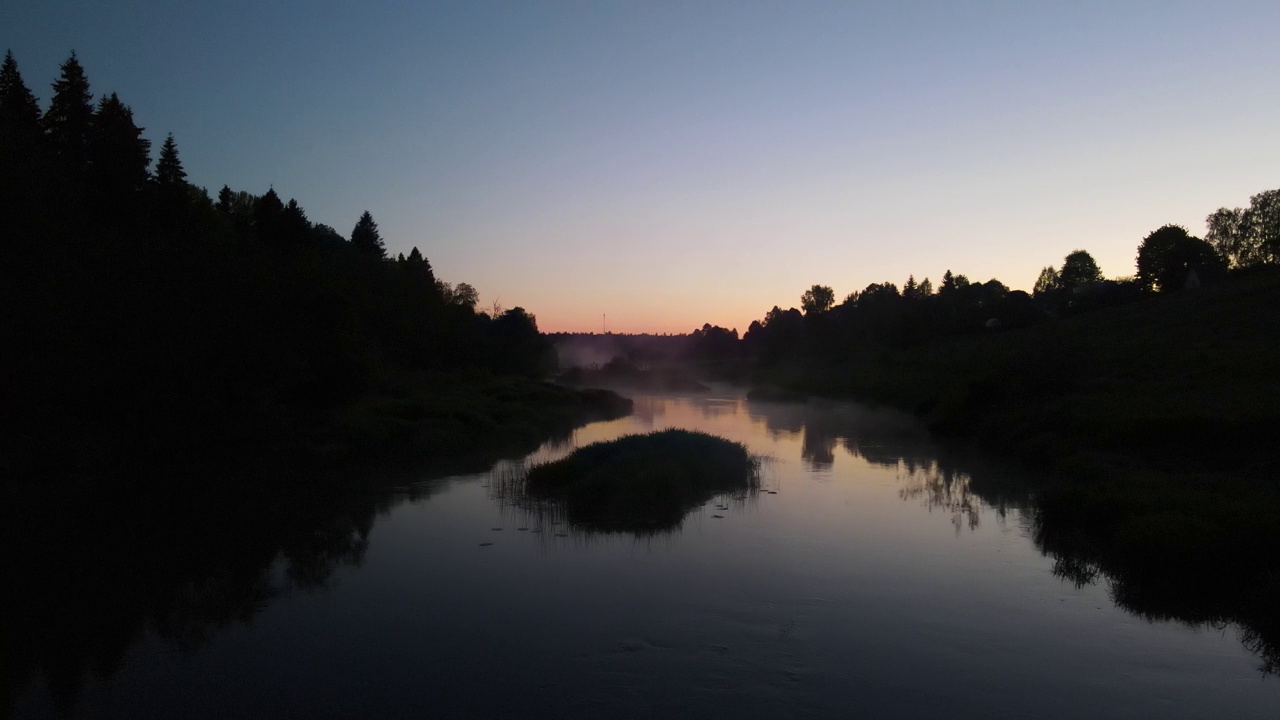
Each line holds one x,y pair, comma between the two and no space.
463,295
324,236
366,239
1078,269
1169,254
21,140
1227,234
910,290
1047,282
952,283
19,111
877,293
295,228
1246,237
817,299
119,157
268,218
926,288
169,173
466,296
1264,219
225,199
419,266
70,115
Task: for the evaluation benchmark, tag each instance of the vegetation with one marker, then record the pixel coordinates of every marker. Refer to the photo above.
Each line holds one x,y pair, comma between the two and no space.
147,322
643,483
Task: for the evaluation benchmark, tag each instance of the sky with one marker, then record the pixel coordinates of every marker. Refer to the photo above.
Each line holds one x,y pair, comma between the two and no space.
673,164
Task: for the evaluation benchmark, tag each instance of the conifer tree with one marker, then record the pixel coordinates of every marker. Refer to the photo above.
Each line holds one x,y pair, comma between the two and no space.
948,283
118,155
420,267
268,216
169,172
19,111
366,239
70,115
225,198
295,228
910,290
21,140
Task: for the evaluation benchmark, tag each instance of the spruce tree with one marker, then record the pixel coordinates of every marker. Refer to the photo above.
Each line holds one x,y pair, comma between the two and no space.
21,141
268,217
19,111
295,228
225,198
366,239
420,267
118,157
70,115
169,173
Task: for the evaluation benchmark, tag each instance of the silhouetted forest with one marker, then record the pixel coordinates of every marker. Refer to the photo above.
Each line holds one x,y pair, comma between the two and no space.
146,319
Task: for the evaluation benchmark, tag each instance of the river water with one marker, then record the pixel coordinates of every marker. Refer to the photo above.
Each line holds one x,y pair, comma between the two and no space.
867,578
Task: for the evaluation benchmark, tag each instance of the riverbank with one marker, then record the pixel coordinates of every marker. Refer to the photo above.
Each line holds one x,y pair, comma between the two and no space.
1155,421
423,422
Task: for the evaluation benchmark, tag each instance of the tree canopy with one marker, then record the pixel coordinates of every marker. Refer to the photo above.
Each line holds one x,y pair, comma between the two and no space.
1169,254
1078,269
817,299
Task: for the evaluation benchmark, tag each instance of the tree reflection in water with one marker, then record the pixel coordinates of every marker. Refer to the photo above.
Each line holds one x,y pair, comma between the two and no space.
1187,582
89,580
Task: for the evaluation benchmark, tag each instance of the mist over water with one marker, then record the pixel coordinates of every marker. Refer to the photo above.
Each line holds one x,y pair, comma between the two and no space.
868,572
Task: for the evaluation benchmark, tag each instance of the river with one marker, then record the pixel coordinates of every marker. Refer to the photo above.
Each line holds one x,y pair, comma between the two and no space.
867,578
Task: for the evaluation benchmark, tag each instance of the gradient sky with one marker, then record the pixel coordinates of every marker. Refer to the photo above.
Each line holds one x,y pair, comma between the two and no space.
671,164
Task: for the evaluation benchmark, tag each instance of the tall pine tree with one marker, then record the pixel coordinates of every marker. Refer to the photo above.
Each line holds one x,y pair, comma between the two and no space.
70,116
268,218
118,160
19,111
169,172
366,239
21,143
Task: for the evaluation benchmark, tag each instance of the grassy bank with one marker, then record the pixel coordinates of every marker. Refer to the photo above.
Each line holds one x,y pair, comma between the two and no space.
643,482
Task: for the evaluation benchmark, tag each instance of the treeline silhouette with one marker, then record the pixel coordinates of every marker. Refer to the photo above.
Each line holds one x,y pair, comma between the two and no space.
144,318
1169,259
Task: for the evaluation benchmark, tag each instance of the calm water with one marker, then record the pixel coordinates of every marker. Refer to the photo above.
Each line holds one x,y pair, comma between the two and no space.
872,582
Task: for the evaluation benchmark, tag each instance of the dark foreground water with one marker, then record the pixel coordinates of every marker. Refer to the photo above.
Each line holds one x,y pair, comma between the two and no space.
867,578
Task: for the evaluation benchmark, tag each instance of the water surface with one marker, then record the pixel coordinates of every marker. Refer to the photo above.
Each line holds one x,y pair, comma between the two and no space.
866,578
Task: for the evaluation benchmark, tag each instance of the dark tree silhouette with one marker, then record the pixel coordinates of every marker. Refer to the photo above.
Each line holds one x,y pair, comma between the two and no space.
1078,269
419,267
1168,255
169,173
1047,282
70,115
19,110
295,228
119,158
817,300
21,147
268,218
1248,237
366,239
911,290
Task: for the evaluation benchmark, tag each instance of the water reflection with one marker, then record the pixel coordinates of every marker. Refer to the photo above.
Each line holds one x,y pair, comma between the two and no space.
87,583
92,579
